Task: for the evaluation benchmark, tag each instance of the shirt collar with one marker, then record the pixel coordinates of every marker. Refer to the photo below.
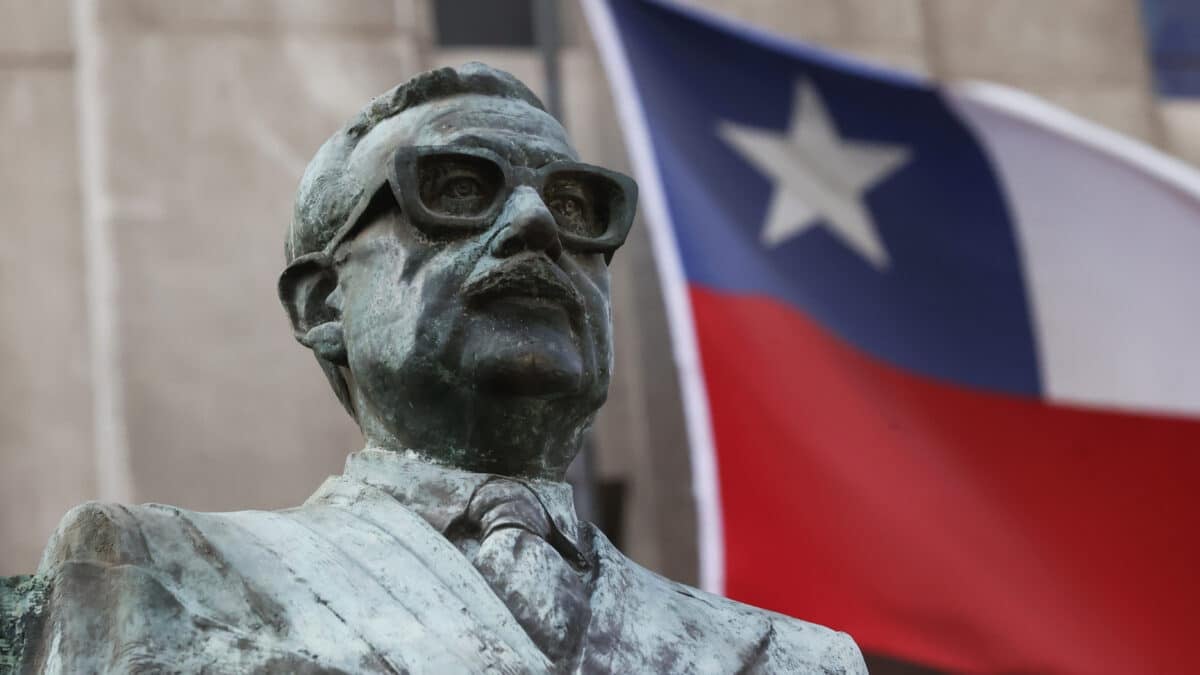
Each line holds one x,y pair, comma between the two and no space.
439,494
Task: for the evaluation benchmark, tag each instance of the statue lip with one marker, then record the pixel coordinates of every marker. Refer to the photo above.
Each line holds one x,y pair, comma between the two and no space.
526,277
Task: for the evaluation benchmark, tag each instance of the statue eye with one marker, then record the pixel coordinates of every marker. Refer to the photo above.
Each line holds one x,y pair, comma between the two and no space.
567,207
569,203
458,186
462,188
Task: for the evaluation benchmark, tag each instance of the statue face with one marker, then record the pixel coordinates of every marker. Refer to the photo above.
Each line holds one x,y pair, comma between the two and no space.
479,292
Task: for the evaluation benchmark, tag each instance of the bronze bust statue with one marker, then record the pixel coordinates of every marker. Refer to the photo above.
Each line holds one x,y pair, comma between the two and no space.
447,265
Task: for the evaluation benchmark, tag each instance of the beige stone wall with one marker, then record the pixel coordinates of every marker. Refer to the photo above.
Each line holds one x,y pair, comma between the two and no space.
203,116
1085,55
1181,128
156,154
46,461
151,149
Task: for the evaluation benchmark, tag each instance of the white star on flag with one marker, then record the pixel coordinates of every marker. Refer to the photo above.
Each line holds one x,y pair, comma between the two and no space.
818,175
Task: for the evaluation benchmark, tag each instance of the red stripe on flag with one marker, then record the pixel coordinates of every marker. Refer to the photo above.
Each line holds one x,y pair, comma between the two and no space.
956,528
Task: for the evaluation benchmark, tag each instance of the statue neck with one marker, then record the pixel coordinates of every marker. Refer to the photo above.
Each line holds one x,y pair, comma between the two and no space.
517,445
461,428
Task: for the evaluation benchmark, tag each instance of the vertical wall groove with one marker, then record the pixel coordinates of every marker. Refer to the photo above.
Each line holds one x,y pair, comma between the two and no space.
111,447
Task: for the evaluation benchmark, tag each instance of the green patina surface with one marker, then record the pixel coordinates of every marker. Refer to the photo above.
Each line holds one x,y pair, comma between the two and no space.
447,266
22,599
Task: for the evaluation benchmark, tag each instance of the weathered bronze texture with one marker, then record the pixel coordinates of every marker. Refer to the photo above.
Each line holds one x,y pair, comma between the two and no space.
448,267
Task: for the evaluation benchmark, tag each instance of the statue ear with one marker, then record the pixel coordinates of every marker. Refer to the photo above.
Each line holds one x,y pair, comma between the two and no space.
309,291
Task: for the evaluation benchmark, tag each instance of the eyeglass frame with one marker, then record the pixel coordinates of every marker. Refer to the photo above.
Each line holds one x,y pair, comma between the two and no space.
620,218
403,172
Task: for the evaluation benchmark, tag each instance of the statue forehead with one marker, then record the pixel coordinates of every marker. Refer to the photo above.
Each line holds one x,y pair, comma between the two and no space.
515,130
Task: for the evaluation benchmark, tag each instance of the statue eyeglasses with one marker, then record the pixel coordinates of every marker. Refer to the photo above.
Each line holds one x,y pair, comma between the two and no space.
452,191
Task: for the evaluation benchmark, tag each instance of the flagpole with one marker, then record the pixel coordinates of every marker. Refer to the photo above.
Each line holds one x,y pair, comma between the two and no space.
710,532
546,27
581,474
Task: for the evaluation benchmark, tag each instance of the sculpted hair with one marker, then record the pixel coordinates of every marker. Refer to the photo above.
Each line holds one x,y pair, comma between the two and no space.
330,189
328,192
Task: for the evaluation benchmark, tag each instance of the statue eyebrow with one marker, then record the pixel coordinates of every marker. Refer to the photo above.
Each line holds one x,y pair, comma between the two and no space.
499,145
507,145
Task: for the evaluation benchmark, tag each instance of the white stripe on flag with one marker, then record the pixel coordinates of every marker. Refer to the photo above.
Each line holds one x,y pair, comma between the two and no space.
705,488
1109,232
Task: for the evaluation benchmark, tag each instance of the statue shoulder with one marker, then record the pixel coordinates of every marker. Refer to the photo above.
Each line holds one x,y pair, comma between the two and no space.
718,629
108,534
798,642
94,532
788,644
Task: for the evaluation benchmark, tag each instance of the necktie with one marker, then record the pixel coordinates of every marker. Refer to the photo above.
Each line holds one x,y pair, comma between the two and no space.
546,595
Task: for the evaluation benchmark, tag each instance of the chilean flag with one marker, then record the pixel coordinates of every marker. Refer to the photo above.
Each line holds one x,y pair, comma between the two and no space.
939,346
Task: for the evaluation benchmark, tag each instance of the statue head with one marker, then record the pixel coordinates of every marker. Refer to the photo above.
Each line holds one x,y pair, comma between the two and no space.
448,266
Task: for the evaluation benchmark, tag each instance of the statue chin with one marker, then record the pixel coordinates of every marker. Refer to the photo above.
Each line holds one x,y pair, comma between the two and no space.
524,352
529,368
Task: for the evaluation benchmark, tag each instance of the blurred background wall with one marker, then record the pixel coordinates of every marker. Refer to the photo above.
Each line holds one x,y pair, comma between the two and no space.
149,150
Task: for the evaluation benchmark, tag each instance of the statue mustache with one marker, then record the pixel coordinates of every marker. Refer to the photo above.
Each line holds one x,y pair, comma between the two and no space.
531,276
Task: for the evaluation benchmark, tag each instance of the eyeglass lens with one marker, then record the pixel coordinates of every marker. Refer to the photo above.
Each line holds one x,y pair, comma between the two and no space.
458,185
465,186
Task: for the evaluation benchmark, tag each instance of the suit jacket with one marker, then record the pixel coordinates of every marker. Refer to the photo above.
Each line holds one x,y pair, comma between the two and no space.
360,579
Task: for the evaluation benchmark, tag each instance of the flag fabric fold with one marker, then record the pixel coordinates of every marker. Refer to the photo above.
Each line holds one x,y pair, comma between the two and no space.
937,344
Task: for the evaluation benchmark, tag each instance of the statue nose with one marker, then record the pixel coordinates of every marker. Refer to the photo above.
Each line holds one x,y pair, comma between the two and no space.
526,225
